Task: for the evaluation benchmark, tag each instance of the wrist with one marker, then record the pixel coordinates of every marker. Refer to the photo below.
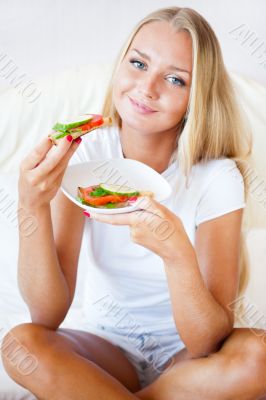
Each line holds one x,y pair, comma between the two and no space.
29,218
185,255
31,209
26,211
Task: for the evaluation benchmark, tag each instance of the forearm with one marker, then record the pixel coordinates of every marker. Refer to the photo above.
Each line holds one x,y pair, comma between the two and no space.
201,322
40,278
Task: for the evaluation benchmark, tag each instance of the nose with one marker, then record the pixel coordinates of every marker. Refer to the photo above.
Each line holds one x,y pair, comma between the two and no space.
148,86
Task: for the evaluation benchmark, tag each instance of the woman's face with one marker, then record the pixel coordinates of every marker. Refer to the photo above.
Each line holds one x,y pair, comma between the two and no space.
152,83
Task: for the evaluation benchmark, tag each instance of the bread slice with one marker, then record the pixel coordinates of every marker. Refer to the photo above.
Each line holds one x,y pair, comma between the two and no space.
78,132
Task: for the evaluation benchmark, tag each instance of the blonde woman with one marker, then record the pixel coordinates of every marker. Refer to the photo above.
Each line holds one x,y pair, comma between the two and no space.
158,306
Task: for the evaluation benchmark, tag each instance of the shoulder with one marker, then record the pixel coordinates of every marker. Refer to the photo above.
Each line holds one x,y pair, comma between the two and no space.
213,168
222,170
222,189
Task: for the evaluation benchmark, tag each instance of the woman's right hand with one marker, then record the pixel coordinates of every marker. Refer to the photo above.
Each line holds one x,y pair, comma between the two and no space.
42,170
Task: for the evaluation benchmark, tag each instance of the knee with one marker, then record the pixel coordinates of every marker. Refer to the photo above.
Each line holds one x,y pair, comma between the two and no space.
21,350
252,355
255,351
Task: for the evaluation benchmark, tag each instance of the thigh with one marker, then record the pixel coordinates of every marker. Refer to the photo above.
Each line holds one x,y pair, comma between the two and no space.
241,358
38,339
242,342
103,353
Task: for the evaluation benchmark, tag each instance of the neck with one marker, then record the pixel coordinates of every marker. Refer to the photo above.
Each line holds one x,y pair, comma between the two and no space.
154,150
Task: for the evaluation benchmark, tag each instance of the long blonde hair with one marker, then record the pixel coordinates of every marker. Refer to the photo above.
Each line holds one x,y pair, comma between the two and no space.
214,125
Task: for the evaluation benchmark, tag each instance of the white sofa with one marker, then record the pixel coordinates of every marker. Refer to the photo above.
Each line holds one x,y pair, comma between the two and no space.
77,91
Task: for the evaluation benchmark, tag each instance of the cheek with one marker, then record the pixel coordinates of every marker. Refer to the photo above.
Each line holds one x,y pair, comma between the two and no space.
122,82
177,104
123,85
118,89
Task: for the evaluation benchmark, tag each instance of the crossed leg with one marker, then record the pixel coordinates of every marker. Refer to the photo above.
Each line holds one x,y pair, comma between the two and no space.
67,364
78,365
236,372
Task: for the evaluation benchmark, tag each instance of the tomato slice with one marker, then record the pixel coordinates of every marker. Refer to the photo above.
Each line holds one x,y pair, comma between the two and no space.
84,194
133,198
101,201
97,120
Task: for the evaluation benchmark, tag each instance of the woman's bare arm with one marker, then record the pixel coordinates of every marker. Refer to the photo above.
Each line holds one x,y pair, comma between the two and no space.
48,257
68,224
48,261
204,281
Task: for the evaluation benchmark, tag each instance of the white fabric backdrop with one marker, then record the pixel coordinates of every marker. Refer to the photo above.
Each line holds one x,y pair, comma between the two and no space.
45,37
59,45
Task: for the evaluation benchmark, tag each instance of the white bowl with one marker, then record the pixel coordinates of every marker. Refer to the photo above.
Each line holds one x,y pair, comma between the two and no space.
117,171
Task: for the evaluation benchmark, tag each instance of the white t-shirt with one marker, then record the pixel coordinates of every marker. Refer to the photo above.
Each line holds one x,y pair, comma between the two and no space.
126,283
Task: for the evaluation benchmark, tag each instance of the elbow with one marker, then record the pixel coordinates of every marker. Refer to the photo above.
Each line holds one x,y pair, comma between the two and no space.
210,343
49,323
49,319
49,314
203,351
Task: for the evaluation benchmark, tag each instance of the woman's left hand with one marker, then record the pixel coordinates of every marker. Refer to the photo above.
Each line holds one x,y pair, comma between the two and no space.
154,227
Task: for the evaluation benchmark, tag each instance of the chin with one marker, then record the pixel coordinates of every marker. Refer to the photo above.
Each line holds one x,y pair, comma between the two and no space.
138,125
138,122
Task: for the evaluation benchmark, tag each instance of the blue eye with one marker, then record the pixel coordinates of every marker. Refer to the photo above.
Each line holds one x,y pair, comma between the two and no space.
137,64
176,81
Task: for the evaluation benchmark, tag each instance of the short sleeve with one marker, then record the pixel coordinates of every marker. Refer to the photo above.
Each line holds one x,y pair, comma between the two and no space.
224,193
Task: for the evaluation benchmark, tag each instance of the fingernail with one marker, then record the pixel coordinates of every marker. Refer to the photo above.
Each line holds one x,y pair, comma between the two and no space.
78,140
69,138
86,213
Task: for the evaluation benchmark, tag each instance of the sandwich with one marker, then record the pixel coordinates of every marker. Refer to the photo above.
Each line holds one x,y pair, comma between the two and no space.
78,126
109,196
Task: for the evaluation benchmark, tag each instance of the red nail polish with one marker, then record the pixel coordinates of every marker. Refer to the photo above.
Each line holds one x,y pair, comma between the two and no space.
69,138
78,140
86,213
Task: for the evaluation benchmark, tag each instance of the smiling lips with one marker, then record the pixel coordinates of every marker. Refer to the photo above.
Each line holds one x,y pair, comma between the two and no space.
141,108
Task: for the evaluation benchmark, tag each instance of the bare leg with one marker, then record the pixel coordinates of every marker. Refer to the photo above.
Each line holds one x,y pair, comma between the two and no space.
69,365
236,372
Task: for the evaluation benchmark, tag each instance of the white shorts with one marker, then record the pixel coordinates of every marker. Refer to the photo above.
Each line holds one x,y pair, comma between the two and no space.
151,354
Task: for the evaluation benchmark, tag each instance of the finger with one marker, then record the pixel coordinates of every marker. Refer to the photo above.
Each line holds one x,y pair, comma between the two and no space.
149,204
53,179
60,154
114,219
148,207
64,162
56,175
37,154
131,219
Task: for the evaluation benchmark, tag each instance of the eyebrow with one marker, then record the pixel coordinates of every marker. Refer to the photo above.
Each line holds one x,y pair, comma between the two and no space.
170,66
